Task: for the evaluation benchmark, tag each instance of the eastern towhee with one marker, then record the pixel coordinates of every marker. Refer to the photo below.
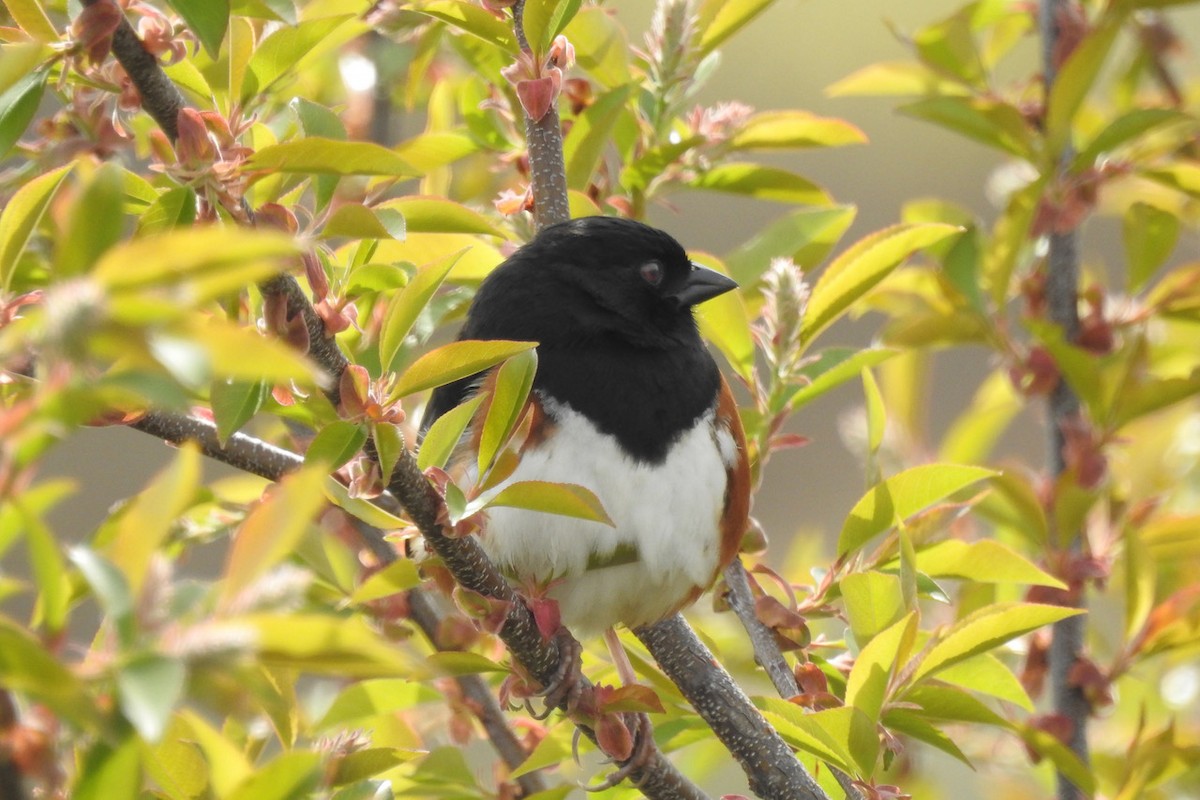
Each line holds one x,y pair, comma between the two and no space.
628,403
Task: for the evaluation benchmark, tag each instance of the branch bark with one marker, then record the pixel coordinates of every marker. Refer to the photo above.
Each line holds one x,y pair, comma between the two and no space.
1062,296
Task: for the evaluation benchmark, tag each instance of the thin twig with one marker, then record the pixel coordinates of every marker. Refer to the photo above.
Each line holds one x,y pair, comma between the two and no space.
1062,293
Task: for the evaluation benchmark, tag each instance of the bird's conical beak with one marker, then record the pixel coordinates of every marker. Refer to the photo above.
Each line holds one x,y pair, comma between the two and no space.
702,284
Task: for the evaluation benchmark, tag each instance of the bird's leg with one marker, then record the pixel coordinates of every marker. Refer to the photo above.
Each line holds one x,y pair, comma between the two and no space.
565,687
636,723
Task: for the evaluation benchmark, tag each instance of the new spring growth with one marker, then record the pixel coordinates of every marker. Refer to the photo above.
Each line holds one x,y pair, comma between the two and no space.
539,80
785,296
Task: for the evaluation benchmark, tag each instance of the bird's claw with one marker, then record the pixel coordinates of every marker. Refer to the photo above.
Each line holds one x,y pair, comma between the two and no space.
639,758
566,686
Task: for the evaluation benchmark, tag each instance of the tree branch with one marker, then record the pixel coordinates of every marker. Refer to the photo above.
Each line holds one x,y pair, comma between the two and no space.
773,770
767,652
268,461
1062,296
544,140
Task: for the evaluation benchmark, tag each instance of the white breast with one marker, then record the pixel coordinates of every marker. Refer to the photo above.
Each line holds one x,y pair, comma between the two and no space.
669,512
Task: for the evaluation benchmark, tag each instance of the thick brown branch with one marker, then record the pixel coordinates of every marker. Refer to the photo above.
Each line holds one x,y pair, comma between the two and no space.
767,652
160,97
773,770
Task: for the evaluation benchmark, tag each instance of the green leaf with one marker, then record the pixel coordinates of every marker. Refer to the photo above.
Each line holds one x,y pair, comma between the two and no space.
773,130
340,646
985,561
147,521
720,19
545,19
1150,396
320,156
396,577
1064,760
208,19
897,78
361,509
873,602
288,776
901,496
913,724
356,221
364,700
856,271
434,149
210,261
457,360
549,752
725,322
564,499
457,663
1009,241
1150,237
273,529
761,182
174,208
227,764
584,144
446,432
32,19
986,629
282,51
110,588
21,215
987,674
951,703
48,570
990,122
1075,80
27,667
234,403
407,304
390,445
817,733
335,444
600,45
806,236
866,687
876,415
1125,129
107,772
831,368
974,433
18,105
439,215
148,688
510,391
471,18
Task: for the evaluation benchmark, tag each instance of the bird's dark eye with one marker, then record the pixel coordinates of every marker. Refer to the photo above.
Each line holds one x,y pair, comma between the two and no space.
652,273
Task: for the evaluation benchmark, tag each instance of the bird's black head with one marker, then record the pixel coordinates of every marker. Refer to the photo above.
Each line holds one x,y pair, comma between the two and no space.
603,277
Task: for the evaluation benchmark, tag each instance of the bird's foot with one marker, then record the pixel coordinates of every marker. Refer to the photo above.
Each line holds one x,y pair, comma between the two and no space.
565,687
634,736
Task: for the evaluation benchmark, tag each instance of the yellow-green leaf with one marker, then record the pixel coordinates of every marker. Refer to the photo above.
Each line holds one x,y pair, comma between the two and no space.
761,182
1150,234
584,144
510,390
565,499
361,509
285,49
356,221
794,129
145,524
321,156
856,271
873,602
439,215
901,496
984,561
456,360
720,19
273,529
894,78
335,444
471,18
21,216
545,19
806,236
446,431
396,577
986,629
866,688
407,304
